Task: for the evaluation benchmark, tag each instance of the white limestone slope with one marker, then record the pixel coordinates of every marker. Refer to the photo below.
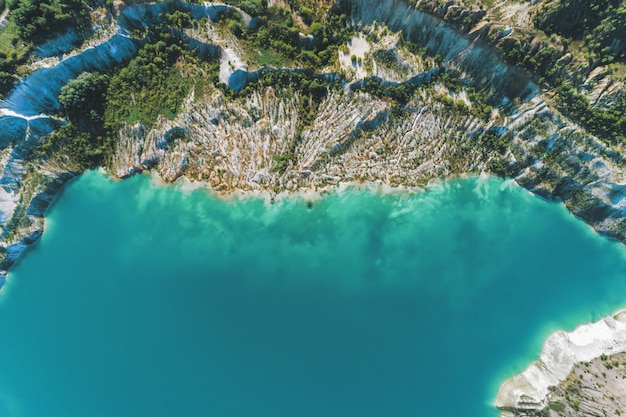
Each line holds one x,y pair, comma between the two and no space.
529,391
475,60
27,115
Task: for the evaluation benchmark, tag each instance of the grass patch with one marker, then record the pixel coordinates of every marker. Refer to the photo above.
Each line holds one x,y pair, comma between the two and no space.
268,58
10,43
201,87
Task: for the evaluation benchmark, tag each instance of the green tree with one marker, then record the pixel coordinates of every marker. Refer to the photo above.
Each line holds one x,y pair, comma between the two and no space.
37,19
82,99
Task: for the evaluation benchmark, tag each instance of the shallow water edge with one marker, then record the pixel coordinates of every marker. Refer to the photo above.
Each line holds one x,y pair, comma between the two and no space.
481,188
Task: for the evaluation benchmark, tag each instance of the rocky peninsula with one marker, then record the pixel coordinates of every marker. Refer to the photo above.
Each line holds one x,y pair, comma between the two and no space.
578,373
385,91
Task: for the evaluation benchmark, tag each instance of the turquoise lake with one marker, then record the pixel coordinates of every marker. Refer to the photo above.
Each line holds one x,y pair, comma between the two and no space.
144,300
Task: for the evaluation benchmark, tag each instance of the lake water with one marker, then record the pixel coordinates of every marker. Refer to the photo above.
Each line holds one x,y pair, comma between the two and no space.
143,300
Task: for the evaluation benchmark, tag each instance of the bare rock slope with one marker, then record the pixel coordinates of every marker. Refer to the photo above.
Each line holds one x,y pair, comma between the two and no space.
582,373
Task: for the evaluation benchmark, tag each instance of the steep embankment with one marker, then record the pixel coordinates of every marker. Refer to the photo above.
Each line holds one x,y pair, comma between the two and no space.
426,139
544,151
477,61
30,112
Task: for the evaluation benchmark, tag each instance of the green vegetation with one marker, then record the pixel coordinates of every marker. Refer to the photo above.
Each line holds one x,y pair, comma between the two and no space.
598,22
83,140
7,79
177,19
391,60
572,37
557,406
400,93
82,100
479,107
252,7
36,20
150,85
308,10
536,57
270,58
599,26
311,91
33,181
13,51
277,40
10,43
494,142
608,124
31,22
157,80
84,150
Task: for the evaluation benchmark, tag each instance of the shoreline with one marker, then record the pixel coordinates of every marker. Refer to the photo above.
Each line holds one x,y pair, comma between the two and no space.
185,185
306,194
528,392
232,196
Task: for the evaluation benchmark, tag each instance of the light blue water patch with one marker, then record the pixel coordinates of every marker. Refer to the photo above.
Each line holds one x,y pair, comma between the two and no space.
148,301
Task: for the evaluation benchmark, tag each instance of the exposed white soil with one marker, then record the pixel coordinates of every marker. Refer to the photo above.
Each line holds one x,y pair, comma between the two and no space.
358,48
529,390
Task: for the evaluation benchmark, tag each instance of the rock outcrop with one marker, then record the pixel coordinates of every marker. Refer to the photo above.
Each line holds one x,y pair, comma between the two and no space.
482,63
593,388
578,374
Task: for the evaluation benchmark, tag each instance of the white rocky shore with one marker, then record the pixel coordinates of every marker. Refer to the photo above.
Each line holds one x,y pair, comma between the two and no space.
531,392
